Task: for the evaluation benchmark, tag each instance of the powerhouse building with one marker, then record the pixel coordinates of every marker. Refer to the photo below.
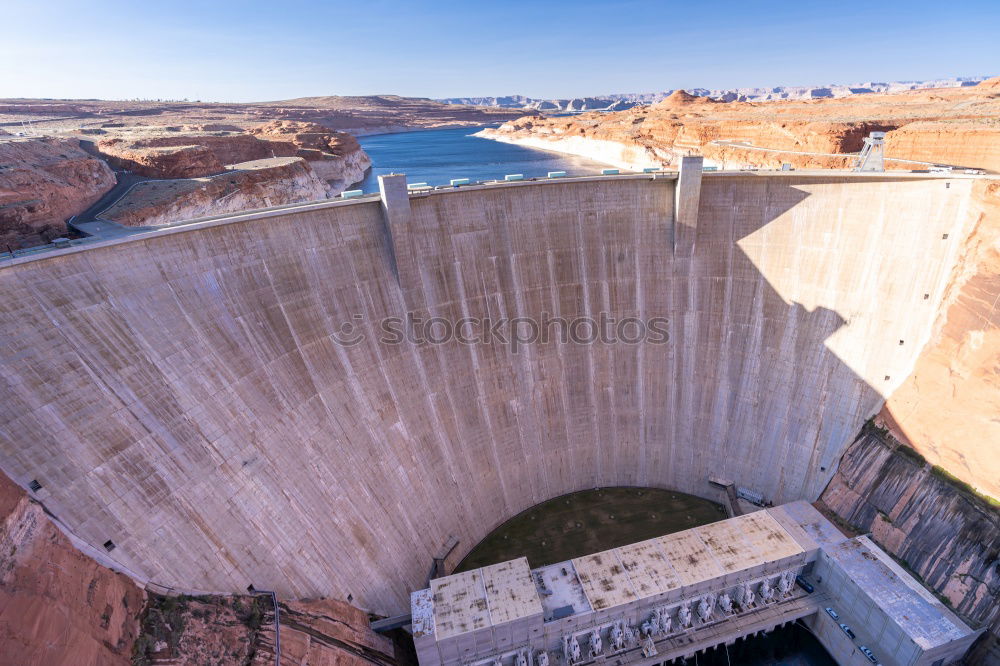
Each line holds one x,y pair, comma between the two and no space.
676,595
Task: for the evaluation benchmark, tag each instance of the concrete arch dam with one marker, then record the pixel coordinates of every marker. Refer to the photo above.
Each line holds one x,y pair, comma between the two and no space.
182,393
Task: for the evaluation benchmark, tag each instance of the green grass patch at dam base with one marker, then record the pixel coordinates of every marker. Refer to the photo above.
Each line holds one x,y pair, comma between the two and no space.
590,521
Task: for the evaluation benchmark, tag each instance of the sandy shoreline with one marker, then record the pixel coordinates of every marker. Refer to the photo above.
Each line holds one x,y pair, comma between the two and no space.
632,158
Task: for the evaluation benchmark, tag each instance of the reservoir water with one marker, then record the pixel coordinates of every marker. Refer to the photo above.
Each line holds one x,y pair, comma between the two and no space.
436,156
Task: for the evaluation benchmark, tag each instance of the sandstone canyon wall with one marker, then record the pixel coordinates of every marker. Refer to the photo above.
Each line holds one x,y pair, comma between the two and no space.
45,181
246,186
950,126
58,606
201,175
335,156
949,537
42,183
946,409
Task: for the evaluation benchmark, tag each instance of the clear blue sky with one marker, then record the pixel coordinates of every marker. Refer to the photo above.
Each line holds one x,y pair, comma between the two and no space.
278,49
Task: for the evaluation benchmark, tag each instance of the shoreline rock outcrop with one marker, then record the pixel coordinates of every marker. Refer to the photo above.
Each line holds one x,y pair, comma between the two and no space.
242,187
335,156
200,175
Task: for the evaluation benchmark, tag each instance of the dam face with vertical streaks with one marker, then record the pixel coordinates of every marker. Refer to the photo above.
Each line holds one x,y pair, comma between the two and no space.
183,393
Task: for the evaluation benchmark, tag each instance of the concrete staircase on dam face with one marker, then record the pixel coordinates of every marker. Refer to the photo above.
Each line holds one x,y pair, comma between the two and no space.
182,394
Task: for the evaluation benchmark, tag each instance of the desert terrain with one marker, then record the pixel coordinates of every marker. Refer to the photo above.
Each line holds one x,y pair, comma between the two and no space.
622,101
954,126
150,163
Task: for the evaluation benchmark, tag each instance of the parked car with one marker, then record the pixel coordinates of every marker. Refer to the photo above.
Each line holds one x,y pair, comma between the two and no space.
832,613
801,582
847,630
868,653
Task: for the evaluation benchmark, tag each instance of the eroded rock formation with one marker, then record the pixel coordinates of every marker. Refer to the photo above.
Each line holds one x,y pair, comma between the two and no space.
246,186
239,631
166,157
335,156
58,606
621,101
323,632
203,174
950,538
43,182
951,126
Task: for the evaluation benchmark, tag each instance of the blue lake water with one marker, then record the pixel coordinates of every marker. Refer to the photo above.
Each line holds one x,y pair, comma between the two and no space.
436,156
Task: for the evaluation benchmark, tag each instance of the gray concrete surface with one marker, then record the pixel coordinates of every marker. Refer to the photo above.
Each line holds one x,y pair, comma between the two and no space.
182,393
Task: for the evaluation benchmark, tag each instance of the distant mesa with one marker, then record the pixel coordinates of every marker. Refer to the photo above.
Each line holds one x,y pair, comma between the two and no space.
679,98
990,84
624,101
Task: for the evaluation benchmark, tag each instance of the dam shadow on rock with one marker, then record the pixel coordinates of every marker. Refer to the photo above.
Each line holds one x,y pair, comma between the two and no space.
184,396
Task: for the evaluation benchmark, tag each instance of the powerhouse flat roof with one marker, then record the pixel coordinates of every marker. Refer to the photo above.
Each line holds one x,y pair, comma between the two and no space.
480,598
508,591
924,619
459,604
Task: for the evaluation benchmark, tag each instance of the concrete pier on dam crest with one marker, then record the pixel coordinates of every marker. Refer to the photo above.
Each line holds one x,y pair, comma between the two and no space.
181,399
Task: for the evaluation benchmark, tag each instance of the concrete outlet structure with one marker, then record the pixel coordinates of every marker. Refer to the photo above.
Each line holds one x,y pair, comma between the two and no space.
259,399
677,595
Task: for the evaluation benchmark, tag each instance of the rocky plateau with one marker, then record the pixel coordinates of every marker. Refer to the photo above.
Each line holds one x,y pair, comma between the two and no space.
57,156
953,126
44,181
622,101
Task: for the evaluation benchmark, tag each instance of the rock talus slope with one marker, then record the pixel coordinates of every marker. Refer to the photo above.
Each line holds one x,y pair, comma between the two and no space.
239,631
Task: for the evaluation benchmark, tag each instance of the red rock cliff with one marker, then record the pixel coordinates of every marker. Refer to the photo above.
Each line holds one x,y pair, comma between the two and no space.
42,183
58,606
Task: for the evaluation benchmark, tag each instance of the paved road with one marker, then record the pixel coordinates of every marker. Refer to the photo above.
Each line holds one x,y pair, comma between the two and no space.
90,221
125,181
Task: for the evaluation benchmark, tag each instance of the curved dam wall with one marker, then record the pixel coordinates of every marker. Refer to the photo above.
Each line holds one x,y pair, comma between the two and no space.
182,393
